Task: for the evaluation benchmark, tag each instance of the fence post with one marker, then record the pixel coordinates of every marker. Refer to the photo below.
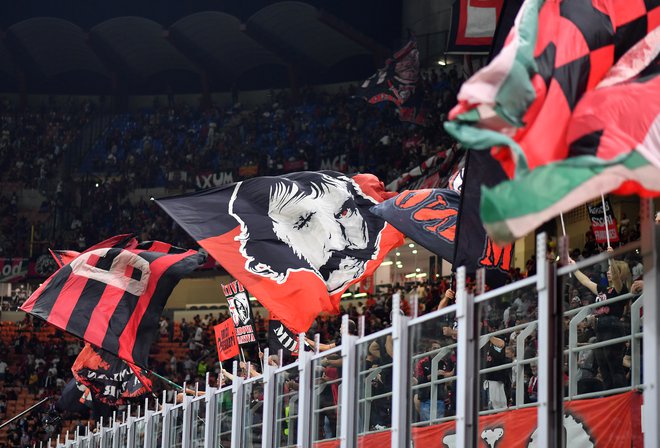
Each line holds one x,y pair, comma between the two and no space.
400,378
268,410
209,402
237,408
550,413
651,332
467,370
348,401
305,393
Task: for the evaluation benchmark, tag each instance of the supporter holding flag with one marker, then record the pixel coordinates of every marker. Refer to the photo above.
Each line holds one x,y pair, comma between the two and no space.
296,242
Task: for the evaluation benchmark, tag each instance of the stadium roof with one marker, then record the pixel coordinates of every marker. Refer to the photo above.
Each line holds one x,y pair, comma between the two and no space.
216,49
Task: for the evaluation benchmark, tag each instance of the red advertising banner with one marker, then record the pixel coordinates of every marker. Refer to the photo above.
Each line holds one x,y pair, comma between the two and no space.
13,269
609,422
248,170
225,339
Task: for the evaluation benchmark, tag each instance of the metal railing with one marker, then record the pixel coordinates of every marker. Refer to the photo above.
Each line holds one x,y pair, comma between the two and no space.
292,415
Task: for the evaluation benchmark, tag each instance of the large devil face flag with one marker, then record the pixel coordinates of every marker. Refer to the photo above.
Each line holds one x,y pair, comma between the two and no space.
296,242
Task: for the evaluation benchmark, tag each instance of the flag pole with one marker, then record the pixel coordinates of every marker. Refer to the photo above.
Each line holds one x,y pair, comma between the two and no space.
607,229
162,378
24,412
261,358
563,226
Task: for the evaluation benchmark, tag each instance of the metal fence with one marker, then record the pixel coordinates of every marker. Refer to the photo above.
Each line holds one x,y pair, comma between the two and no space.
421,371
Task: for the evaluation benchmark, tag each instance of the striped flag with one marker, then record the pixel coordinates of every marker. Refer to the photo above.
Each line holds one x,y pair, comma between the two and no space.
112,297
569,108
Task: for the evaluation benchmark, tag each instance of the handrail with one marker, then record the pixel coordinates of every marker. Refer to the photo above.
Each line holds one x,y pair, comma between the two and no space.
604,256
511,287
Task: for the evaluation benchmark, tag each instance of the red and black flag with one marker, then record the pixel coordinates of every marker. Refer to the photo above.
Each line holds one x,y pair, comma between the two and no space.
281,338
426,216
110,380
399,83
539,109
113,297
241,311
296,242
472,26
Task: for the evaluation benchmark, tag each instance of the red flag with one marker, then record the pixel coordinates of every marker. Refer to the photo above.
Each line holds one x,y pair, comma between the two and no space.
225,339
296,242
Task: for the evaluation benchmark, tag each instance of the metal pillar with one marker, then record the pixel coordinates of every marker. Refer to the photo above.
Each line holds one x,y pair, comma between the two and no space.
236,409
467,370
210,429
400,379
550,412
651,331
348,401
268,411
305,393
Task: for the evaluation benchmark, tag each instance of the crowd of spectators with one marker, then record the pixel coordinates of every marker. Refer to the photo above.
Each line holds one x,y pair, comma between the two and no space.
177,146
152,147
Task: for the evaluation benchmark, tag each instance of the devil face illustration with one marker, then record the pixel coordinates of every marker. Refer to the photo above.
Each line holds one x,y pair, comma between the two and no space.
321,218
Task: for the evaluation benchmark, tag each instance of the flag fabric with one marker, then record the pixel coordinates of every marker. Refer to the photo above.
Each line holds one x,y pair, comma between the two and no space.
225,339
368,285
296,242
110,380
428,217
64,257
473,248
569,108
399,83
75,397
472,26
113,297
240,311
281,338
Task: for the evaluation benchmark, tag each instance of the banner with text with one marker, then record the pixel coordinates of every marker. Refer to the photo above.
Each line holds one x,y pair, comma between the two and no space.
600,422
597,218
13,269
210,180
225,339
338,163
241,311
281,338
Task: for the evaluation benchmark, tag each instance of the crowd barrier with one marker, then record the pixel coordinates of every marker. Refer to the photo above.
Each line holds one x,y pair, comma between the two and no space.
393,387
